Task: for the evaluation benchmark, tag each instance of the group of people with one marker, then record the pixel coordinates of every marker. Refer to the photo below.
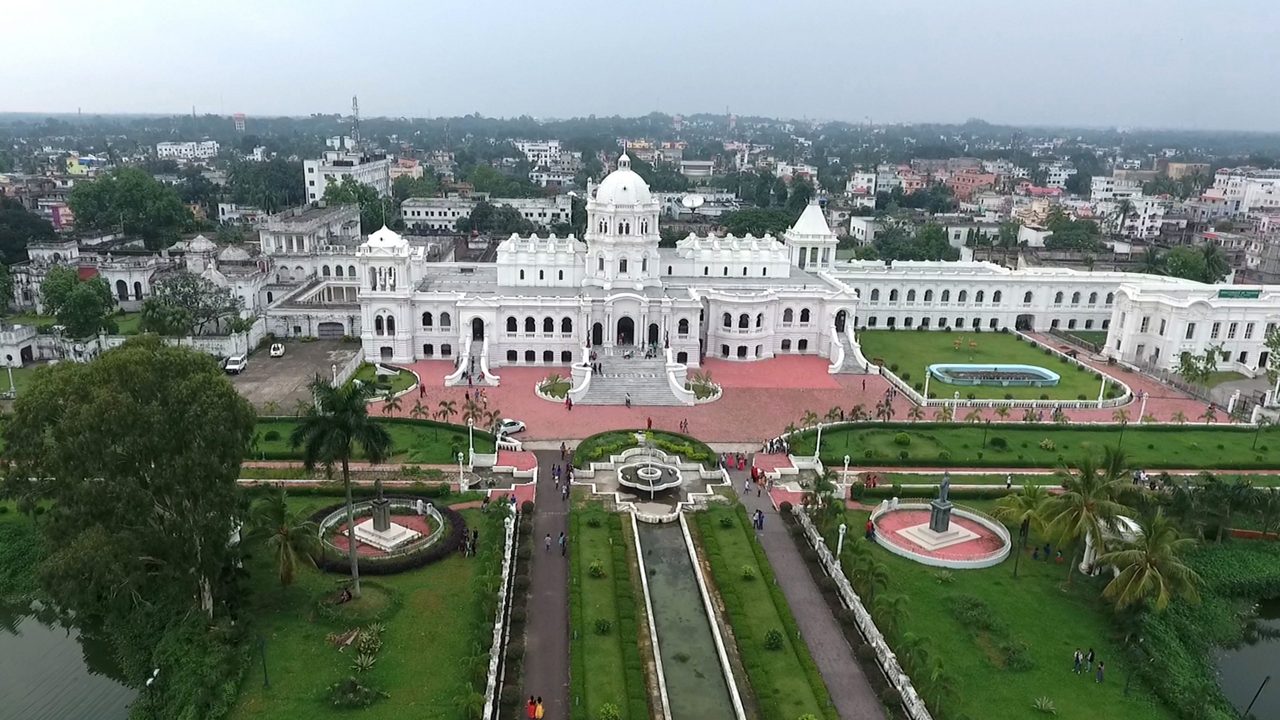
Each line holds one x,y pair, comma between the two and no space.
777,445
871,479
565,473
563,542
1083,663
534,709
757,521
1037,555
732,461
470,542
470,374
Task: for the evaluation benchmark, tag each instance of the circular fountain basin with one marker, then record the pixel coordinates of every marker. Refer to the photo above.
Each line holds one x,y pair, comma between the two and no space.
649,476
994,374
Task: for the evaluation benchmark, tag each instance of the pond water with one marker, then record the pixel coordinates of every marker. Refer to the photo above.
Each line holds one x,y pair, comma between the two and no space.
696,684
49,671
1243,669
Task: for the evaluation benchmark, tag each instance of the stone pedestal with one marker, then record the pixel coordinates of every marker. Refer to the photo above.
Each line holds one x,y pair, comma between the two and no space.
386,539
940,516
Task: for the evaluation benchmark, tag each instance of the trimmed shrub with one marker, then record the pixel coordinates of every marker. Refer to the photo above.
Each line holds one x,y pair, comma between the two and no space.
596,569
773,640
726,521
998,442
902,439
271,435
603,626
785,507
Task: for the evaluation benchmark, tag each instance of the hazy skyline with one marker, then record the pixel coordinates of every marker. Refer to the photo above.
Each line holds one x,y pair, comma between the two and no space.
1172,64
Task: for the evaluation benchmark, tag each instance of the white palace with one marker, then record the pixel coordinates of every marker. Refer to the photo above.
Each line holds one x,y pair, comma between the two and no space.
553,301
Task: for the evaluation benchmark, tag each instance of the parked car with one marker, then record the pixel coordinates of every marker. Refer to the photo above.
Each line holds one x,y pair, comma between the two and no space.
236,364
507,426
277,350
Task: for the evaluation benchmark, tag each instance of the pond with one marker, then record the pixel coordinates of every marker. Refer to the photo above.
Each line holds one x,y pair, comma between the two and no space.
49,671
1242,669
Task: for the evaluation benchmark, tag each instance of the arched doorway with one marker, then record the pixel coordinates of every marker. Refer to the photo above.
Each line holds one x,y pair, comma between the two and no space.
477,329
841,318
1025,322
653,333
626,331
597,335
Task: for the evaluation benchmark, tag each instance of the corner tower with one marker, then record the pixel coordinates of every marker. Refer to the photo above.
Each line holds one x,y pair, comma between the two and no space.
622,232
810,241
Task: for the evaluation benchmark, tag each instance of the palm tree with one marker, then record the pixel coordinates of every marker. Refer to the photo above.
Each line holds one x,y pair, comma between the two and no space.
271,408
940,687
1124,209
1180,417
491,418
1031,416
419,412
1120,416
390,403
1269,510
470,410
914,651
1060,416
858,413
1150,569
1227,498
884,411
833,414
1087,507
973,416
943,414
870,574
1026,510
1186,503
1152,262
331,432
809,419
891,613
1002,412
289,537
916,413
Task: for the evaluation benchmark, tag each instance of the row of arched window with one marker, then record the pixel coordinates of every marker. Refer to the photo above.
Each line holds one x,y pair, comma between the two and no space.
623,227
542,274
428,321
548,325
548,356
980,297
1075,298
337,271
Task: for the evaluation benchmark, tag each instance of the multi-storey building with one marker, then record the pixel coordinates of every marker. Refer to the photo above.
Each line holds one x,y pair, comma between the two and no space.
338,165
539,152
202,150
1106,187
440,215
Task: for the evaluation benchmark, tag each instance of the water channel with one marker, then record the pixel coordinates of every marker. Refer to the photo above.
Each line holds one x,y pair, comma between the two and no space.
696,686
1242,669
51,672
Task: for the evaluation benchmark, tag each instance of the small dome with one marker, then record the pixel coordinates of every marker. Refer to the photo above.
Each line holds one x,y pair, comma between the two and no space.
386,238
234,253
623,186
201,244
212,275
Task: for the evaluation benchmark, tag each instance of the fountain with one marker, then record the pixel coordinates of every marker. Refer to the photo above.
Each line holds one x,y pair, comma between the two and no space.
653,473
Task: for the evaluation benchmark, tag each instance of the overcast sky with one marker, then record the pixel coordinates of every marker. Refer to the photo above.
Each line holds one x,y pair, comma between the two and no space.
1152,63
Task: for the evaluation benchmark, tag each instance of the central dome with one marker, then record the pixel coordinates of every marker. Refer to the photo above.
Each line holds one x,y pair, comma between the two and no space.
623,186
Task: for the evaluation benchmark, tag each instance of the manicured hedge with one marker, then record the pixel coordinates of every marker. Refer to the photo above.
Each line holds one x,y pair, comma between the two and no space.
335,561
599,447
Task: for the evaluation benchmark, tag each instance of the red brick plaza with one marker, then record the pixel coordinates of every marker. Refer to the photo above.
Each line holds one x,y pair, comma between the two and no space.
760,399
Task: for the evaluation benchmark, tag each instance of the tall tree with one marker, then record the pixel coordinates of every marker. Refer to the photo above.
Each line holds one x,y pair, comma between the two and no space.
18,228
187,304
130,200
334,428
1150,569
1026,510
82,306
1087,508
289,537
272,185
375,211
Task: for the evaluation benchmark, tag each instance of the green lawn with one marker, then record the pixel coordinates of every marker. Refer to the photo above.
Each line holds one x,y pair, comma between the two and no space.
423,664
600,446
912,351
413,441
126,323
785,681
397,383
1032,612
1097,337
1218,377
21,376
1192,446
605,667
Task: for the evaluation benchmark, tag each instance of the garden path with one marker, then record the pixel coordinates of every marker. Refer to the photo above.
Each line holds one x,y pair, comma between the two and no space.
546,650
848,686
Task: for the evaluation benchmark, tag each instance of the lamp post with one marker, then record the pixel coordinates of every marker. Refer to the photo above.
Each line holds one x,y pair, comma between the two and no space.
1255,695
845,477
471,437
817,447
12,390
986,426
840,541
334,369
462,483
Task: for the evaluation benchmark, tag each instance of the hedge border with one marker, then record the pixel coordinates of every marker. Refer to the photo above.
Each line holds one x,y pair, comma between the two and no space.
579,460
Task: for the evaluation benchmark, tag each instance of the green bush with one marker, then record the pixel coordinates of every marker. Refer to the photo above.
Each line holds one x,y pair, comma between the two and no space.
748,573
596,569
593,521
773,640
998,442
609,711
902,439
271,436
726,521
603,626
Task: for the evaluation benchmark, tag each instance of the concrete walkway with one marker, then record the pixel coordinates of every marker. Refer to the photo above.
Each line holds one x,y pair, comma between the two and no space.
546,653
849,689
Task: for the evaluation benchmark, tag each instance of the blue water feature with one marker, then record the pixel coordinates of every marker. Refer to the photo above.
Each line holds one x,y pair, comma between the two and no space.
994,374
696,685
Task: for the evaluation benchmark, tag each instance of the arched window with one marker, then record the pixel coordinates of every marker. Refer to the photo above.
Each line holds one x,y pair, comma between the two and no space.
1057,298
548,325
995,296
373,279
683,327
351,271
1093,298
566,325
893,296
530,325
786,345
706,270
391,325
269,296
725,272
764,272
1026,298
946,296
1075,298
444,323
727,320
875,295
559,274
512,325
668,269
979,296
377,325
911,296
337,270
760,320
426,320
622,266
324,271
744,321
530,356
744,271
1110,297
521,274
122,290
963,296
548,356
804,316
928,296
644,265
512,356
541,275
788,315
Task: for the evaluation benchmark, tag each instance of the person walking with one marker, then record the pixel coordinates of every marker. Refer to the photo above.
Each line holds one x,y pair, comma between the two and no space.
547,542
648,423
628,400
539,712
1098,677
562,449
1078,660
1088,659
1008,481
531,710
562,544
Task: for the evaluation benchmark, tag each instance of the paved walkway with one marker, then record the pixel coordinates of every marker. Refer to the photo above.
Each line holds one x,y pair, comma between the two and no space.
849,689
546,652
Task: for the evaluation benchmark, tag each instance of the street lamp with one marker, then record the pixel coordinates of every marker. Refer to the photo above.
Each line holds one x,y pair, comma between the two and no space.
471,439
14,391
462,483
817,448
840,542
985,427
845,477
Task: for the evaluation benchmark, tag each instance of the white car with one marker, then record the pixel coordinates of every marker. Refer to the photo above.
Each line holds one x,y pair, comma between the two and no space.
507,426
277,349
236,364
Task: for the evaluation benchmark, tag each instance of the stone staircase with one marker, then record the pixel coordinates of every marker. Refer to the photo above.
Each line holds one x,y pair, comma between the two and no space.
849,365
644,380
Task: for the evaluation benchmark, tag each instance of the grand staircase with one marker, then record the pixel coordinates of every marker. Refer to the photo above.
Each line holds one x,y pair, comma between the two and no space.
850,365
645,380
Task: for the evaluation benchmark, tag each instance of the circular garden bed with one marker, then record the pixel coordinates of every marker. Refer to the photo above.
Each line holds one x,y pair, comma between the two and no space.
334,560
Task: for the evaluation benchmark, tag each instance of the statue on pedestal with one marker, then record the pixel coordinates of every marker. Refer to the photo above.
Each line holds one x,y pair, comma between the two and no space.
940,509
381,509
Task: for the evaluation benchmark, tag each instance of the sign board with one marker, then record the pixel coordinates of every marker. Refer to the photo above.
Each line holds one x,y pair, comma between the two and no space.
1239,294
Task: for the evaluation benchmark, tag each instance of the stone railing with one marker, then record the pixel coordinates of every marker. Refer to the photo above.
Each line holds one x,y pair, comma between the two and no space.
364,508
501,628
348,369
837,352
464,356
885,657
677,375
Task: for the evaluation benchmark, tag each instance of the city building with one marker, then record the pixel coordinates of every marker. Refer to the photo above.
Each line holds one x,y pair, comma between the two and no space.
1107,187
1245,189
202,150
697,168
966,182
338,165
1058,173
440,215
539,152
406,167
1179,170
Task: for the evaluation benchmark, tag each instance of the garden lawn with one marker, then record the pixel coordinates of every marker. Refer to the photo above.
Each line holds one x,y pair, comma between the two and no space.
1044,445
604,668
1218,377
785,681
412,441
422,664
399,382
1096,337
1033,609
599,447
911,351
126,323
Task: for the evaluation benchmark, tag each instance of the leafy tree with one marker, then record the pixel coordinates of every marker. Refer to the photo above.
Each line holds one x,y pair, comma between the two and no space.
928,243
801,194
1087,506
1197,369
1026,510
1272,342
1151,570
1225,499
1067,234
271,185
487,219
1205,263
129,199
187,304
375,211
405,187
485,179
289,537
82,306
758,222
334,428
18,228
138,453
